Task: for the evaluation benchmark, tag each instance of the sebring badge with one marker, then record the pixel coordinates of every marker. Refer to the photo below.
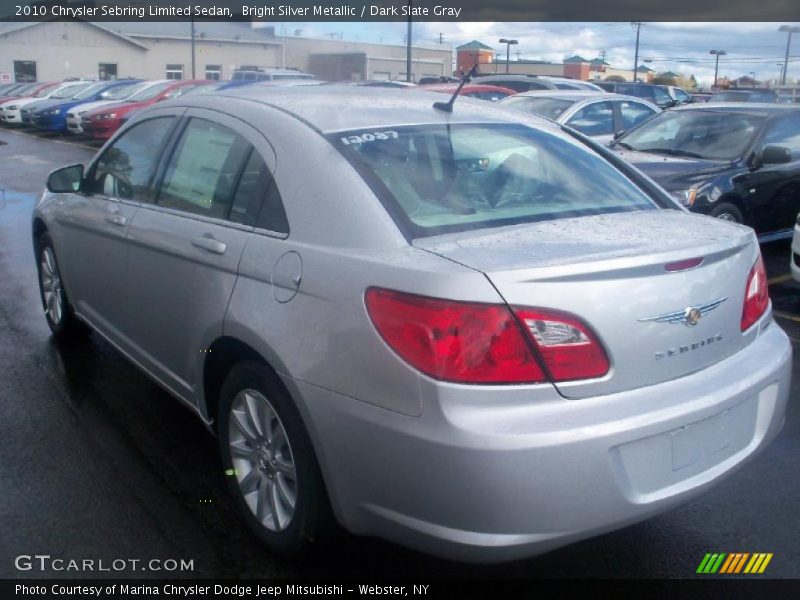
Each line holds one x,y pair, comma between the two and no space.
689,316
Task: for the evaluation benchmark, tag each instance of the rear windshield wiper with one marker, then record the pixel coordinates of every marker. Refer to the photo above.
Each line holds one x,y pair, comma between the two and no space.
671,152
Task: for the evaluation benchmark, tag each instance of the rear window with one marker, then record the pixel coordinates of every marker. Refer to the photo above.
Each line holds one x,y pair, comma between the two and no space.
438,179
550,108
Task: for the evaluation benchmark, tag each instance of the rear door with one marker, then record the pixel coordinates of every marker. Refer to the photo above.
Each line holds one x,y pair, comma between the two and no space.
185,247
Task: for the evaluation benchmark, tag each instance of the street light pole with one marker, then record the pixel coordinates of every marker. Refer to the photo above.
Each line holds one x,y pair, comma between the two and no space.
193,74
508,44
716,64
753,74
790,31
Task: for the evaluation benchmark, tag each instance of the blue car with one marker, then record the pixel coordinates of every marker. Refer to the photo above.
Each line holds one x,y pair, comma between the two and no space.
52,114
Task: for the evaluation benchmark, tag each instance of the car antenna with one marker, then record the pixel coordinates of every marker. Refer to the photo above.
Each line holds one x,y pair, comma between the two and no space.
448,106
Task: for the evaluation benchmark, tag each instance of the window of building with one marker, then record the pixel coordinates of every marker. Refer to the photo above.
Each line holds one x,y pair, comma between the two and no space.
214,72
174,71
106,71
381,75
24,71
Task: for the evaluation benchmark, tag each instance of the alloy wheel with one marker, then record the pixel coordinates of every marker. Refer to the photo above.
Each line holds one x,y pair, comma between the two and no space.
51,286
262,460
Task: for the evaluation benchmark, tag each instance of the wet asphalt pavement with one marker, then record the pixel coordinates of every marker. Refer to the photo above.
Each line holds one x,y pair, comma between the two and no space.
96,461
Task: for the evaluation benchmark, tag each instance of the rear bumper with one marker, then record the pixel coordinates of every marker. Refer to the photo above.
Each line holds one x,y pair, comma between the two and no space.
503,478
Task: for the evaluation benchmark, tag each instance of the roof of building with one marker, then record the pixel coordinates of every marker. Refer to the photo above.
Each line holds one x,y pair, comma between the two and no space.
577,58
474,45
598,61
644,69
669,74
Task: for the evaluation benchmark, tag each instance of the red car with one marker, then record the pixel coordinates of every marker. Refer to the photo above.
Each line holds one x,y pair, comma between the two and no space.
493,93
102,123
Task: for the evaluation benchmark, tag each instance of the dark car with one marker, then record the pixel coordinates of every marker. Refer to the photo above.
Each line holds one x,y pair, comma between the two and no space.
657,94
754,95
518,83
738,162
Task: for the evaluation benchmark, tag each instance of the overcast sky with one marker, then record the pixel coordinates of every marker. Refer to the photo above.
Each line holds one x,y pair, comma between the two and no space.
679,47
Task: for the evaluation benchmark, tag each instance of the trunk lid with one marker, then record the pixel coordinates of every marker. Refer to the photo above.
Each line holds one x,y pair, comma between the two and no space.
610,271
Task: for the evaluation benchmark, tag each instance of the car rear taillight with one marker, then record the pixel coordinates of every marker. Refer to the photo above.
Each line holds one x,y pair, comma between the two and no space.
756,295
468,342
462,342
568,348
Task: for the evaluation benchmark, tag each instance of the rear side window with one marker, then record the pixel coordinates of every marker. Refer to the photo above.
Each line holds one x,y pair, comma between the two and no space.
442,178
125,168
594,119
257,201
202,171
633,113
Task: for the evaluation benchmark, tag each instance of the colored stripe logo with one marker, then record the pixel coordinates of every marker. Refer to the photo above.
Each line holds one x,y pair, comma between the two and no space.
734,563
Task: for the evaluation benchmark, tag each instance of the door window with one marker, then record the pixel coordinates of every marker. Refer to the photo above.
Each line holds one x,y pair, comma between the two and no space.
595,119
662,98
202,172
633,113
785,132
124,170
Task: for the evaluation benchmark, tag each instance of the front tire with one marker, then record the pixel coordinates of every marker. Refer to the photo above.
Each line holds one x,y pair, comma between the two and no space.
57,309
727,212
272,471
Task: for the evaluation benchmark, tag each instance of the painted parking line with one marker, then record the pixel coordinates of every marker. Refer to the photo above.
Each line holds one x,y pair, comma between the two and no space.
788,316
779,279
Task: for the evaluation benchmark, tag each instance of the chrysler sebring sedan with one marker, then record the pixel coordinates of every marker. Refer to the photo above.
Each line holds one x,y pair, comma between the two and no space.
460,328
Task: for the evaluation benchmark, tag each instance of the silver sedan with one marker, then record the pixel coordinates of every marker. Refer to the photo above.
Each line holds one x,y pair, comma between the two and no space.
600,115
463,330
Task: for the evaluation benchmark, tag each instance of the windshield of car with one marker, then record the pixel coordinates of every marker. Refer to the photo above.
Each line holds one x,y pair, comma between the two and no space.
42,93
550,108
708,134
24,89
90,91
151,92
123,91
70,91
442,178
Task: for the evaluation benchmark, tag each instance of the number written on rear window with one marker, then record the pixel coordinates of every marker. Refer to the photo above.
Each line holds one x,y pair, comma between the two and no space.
369,137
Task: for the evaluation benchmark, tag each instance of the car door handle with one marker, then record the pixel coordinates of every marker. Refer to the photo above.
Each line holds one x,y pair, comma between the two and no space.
210,244
116,220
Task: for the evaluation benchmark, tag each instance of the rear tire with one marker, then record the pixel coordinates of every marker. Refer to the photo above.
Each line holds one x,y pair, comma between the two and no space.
727,212
57,310
271,468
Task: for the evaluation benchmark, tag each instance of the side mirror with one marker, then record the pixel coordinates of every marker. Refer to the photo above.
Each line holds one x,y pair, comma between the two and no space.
65,180
619,134
776,155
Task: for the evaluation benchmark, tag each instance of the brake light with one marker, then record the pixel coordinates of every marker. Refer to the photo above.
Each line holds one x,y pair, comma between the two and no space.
454,341
756,295
469,342
569,349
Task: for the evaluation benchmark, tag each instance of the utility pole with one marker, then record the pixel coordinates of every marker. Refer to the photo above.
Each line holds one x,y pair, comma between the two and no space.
638,25
790,31
192,35
408,45
441,38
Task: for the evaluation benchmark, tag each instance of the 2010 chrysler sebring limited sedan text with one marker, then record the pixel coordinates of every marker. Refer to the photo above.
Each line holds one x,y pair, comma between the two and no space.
469,332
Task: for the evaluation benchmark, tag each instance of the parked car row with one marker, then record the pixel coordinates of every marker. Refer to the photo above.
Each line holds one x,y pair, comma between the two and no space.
95,109
460,327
